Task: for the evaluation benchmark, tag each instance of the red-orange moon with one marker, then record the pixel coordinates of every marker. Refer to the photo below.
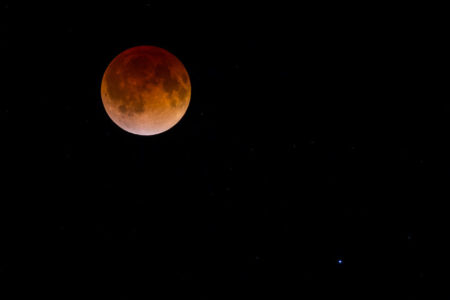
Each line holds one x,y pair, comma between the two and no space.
146,90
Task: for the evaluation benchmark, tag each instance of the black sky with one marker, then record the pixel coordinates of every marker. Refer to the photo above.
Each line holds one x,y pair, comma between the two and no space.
314,134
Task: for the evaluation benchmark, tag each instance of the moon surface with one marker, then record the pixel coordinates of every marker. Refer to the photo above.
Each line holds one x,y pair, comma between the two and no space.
146,90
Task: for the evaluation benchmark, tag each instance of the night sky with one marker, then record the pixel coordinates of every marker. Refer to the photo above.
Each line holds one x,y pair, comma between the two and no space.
312,162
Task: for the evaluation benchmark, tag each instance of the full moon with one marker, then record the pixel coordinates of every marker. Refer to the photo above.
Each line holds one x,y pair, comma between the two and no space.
146,90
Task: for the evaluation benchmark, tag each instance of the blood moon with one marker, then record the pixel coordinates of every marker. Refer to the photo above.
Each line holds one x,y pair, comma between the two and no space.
146,90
